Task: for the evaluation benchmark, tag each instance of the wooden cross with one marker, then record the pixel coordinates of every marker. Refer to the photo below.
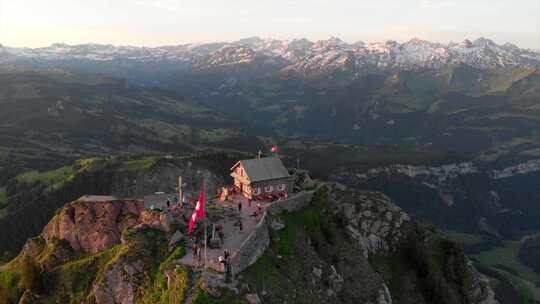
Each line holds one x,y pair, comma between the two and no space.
180,188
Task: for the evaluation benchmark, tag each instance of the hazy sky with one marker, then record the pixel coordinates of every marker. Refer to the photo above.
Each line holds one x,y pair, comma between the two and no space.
163,22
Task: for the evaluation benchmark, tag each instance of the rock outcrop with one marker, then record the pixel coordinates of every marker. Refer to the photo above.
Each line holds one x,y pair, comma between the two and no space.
374,221
117,244
92,227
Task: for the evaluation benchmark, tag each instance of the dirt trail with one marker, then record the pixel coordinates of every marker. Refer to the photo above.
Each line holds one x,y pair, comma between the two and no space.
192,292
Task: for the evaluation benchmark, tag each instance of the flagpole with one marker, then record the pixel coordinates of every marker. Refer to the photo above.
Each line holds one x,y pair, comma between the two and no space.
205,242
205,237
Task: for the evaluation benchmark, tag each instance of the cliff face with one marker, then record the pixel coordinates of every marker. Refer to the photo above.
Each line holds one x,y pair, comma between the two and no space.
462,197
92,227
445,174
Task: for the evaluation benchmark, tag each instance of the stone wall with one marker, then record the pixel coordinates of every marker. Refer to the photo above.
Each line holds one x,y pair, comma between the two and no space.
252,248
296,202
259,239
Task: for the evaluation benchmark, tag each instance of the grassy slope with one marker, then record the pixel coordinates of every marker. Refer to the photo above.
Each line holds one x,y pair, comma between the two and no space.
310,239
428,269
53,179
505,260
227,297
3,196
156,291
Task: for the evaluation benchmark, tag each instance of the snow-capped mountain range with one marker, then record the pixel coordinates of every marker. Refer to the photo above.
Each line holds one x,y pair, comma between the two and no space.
299,56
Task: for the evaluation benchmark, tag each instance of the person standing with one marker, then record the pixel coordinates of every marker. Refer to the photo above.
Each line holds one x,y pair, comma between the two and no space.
194,248
221,234
199,255
228,272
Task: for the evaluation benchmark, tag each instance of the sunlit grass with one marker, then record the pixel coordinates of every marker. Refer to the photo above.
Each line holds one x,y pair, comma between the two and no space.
464,239
53,179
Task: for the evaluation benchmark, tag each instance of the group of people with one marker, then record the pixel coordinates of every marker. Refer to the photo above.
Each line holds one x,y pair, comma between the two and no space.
197,242
224,259
257,213
187,202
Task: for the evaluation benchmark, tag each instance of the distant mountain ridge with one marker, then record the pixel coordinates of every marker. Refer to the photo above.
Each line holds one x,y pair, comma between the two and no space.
300,56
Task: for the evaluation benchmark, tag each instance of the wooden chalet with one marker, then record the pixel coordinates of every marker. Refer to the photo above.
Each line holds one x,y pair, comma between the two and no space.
262,177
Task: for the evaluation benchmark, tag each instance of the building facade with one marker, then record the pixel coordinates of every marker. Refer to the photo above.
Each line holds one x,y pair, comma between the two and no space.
262,176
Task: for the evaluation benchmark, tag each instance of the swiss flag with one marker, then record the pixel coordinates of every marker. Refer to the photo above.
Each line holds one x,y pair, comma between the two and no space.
192,222
198,213
199,208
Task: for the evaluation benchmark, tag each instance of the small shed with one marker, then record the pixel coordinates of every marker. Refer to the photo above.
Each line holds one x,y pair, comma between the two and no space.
261,176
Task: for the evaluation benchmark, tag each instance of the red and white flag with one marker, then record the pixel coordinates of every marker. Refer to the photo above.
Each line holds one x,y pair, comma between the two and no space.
198,213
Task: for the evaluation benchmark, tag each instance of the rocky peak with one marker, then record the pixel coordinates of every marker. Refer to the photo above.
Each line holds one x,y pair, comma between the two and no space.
417,40
249,41
229,55
359,44
337,244
391,43
377,223
484,42
60,45
510,46
465,44
300,44
331,43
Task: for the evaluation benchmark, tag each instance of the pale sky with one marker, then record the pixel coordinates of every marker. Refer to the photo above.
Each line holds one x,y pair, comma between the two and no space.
34,23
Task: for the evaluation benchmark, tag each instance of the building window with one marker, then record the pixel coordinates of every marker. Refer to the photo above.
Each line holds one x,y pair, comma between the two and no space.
257,190
281,187
268,188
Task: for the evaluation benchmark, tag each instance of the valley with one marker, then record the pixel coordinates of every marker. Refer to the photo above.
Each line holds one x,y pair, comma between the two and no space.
513,280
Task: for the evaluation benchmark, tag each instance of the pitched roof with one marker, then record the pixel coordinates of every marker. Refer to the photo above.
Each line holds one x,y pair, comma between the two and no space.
261,169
